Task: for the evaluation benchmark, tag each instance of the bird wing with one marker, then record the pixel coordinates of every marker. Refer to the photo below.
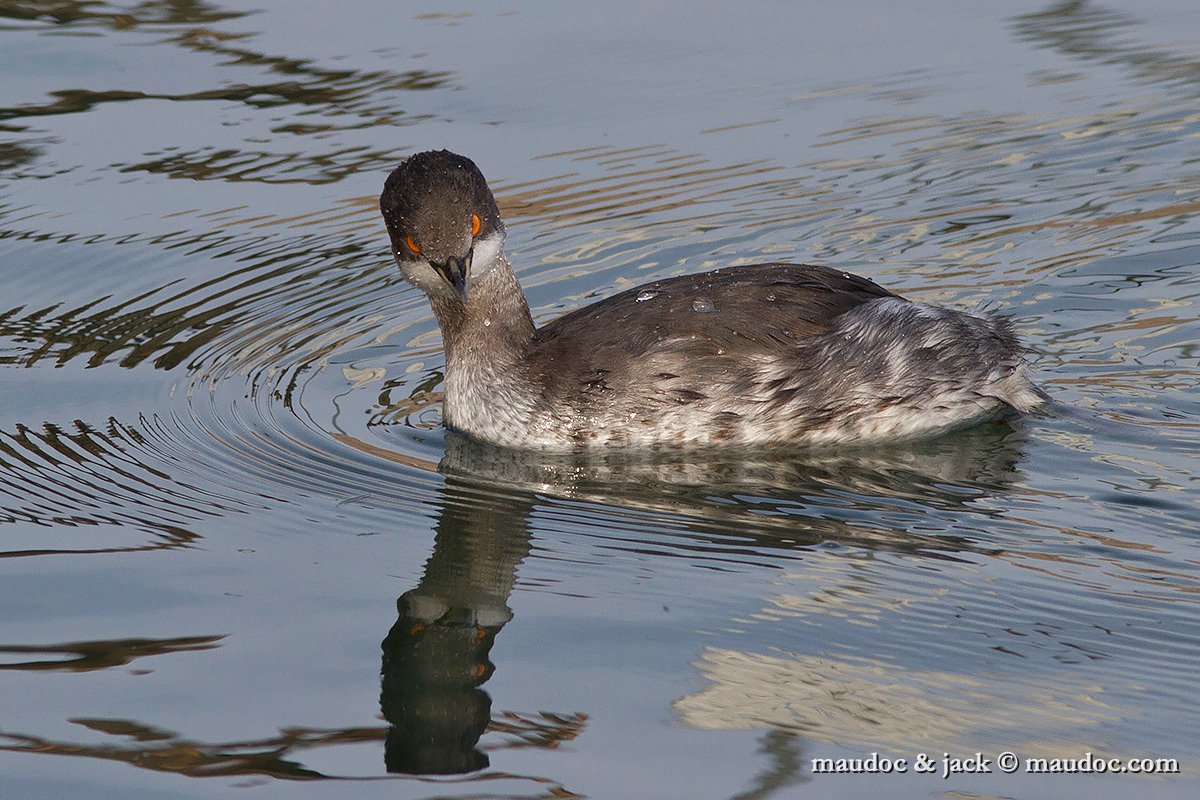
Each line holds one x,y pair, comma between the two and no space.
773,306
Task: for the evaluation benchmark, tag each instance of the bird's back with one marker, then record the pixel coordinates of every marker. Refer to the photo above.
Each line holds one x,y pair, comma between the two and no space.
763,306
682,359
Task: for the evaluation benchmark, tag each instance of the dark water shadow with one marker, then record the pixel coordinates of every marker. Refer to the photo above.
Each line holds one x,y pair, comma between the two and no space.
99,654
318,99
1091,32
161,750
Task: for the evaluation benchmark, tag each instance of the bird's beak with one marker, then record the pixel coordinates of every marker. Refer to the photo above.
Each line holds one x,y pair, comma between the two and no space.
455,271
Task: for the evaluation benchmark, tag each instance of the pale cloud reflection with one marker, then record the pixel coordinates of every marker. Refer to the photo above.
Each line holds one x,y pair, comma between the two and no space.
871,704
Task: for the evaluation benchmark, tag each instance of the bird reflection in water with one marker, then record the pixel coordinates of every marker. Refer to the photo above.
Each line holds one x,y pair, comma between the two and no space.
435,657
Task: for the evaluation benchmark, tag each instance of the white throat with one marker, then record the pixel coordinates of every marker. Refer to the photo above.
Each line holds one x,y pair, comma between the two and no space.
486,255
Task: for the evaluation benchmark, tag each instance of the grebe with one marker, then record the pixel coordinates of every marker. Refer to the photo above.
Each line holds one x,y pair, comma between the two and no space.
764,355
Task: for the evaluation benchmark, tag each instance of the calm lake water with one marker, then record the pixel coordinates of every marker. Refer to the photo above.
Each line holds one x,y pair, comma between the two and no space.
243,559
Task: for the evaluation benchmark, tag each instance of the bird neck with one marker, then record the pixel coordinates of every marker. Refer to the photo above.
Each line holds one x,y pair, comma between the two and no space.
487,341
493,325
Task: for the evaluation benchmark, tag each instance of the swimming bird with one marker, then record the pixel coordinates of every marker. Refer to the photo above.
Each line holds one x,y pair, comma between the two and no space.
762,355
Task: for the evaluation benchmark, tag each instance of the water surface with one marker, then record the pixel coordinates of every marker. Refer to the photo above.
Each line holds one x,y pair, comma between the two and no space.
241,554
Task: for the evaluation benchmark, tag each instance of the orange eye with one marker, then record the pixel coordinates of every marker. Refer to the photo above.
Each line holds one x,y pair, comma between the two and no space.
408,240
475,224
